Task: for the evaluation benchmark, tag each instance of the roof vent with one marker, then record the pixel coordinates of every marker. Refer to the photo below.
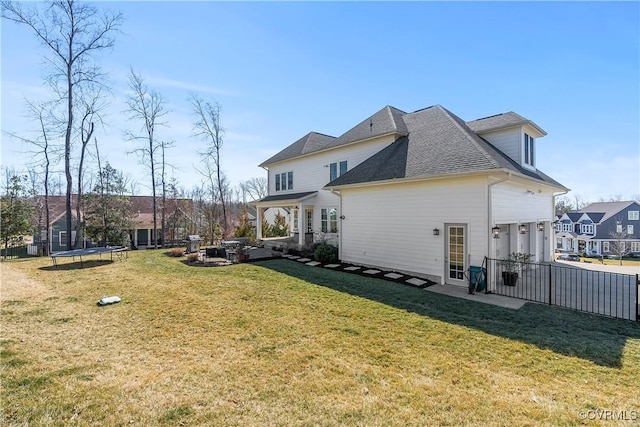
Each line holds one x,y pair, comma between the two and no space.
370,125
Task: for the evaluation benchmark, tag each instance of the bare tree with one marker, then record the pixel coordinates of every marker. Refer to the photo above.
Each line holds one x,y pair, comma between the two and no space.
253,189
91,103
73,34
44,156
579,202
148,107
163,178
619,246
207,126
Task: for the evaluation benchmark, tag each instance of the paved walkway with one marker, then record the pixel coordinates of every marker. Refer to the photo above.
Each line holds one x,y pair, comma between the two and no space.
463,292
621,269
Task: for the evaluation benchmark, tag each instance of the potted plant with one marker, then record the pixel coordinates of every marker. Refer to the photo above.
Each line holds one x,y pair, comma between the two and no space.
510,267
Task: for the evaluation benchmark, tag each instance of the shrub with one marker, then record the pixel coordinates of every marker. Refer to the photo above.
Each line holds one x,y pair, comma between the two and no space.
325,253
176,252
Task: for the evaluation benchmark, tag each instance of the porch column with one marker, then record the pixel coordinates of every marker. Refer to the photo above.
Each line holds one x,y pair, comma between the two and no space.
258,223
301,228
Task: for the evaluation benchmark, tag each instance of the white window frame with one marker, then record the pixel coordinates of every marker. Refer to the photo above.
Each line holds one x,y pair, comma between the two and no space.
587,228
633,215
605,247
630,229
329,220
284,181
337,169
635,246
528,155
62,241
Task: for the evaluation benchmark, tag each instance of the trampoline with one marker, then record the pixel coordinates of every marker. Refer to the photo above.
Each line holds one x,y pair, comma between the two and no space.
119,251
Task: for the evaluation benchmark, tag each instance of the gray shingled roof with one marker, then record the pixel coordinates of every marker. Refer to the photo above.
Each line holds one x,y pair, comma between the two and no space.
285,196
607,209
501,121
438,143
311,142
384,122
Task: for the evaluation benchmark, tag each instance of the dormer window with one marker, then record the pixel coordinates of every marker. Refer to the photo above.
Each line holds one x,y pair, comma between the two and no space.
529,153
587,228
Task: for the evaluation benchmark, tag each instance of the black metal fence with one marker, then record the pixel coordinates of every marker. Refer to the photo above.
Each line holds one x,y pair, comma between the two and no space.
578,288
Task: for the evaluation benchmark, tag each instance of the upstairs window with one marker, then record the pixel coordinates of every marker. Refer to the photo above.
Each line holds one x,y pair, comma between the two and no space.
337,169
587,228
284,181
633,215
629,229
529,153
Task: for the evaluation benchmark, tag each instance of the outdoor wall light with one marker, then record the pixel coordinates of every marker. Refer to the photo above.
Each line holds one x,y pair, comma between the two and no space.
540,226
495,231
522,228
342,217
436,231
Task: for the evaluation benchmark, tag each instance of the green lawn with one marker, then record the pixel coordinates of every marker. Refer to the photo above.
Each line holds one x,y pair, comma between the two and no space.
280,343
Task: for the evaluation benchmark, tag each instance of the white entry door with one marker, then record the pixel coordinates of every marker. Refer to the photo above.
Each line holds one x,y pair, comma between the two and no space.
456,255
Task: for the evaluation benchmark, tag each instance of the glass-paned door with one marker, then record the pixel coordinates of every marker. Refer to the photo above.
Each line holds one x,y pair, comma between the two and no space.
456,253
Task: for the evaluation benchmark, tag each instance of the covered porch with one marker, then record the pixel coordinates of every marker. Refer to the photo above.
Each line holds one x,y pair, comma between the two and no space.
300,218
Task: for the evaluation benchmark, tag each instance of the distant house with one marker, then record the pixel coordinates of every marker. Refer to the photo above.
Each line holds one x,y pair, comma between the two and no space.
422,192
589,230
178,218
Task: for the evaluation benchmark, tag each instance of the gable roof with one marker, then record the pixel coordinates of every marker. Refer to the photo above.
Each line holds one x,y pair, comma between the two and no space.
606,209
501,121
385,122
436,142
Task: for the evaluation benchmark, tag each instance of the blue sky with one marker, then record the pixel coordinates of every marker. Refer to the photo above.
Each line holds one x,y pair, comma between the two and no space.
280,70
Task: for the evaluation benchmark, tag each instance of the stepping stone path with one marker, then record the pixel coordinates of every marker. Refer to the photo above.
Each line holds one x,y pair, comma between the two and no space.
416,282
406,279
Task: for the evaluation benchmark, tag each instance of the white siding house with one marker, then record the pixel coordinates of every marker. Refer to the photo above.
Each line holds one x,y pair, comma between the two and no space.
424,192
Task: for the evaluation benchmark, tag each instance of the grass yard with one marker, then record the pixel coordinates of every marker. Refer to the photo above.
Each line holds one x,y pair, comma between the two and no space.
278,343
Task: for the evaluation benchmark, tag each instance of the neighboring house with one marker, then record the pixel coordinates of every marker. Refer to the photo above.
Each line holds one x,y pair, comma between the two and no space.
178,219
589,230
422,192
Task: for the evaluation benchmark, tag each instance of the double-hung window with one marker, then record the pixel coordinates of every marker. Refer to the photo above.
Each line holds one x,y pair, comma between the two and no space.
337,169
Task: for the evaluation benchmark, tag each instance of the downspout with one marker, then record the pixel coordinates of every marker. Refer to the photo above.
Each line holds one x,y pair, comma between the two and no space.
337,193
490,221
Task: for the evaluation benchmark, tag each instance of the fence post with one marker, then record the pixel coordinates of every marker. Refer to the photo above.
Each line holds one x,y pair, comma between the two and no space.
550,284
